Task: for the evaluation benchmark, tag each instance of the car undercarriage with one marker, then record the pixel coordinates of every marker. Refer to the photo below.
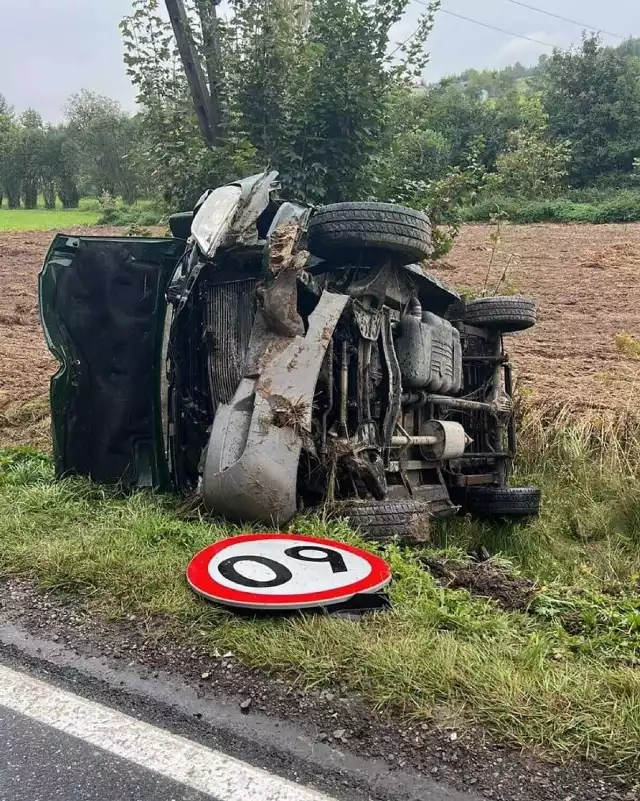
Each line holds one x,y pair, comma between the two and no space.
306,361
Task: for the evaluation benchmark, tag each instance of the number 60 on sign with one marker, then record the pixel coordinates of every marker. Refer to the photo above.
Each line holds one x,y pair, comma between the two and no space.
284,571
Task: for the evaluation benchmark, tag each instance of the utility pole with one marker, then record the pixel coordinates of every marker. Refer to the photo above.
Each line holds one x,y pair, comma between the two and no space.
206,102
302,11
211,40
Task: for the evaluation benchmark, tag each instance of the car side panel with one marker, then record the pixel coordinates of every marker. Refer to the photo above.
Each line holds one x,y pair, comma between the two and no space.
103,310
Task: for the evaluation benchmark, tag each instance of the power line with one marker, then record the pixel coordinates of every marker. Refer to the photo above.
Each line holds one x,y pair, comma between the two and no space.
486,25
402,44
491,27
565,19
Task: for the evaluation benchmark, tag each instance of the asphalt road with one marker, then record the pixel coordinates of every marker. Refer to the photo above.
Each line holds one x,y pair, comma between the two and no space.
78,726
58,745
42,764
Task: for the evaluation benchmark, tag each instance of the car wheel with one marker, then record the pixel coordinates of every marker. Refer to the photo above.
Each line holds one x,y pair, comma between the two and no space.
506,314
407,521
341,228
502,501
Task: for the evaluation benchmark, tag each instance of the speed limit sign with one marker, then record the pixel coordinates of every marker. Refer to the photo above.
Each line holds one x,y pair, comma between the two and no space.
284,571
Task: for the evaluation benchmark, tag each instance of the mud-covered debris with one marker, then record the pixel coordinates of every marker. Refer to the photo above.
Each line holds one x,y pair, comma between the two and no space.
280,305
287,413
281,250
485,580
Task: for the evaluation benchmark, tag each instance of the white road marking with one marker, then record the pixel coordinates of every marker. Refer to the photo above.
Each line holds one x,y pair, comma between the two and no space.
210,772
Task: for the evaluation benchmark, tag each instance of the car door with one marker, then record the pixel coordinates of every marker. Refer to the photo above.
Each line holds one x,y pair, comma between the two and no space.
103,310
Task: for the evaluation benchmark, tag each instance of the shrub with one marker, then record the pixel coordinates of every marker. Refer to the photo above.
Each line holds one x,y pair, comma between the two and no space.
123,215
628,346
586,206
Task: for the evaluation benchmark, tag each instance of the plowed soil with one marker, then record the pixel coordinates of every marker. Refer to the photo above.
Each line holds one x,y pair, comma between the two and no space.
585,350
585,279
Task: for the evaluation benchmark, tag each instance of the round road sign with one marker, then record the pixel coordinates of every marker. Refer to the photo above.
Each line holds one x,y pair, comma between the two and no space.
284,571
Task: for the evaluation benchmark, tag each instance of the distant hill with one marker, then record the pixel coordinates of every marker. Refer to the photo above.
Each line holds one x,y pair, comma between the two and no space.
490,84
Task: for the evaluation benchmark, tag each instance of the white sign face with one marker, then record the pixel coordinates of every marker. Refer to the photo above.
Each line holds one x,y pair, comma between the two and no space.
271,567
284,571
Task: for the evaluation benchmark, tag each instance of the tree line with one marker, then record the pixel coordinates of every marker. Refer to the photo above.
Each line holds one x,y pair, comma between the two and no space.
310,87
92,152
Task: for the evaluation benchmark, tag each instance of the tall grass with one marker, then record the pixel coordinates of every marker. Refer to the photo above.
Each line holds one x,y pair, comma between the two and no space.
588,465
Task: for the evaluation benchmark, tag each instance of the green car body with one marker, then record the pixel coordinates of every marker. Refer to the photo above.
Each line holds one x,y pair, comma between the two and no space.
103,308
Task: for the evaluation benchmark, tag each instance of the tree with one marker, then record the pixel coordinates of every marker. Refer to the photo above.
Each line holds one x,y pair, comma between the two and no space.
51,155
533,167
68,169
29,156
9,169
59,168
170,142
104,137
592,97
264,58
457,115
409,150
344,82
493,84
302,87
532,164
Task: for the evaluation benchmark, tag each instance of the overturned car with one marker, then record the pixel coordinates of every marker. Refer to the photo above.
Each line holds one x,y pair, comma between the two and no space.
273,358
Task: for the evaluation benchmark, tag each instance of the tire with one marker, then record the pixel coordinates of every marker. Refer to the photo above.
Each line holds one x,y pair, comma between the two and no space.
502,501
408,521
507,314
370,226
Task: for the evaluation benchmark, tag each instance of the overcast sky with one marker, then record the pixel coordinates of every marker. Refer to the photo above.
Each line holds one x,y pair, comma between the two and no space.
52,48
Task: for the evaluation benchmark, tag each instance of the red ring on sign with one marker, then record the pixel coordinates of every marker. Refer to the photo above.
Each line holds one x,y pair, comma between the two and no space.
200,580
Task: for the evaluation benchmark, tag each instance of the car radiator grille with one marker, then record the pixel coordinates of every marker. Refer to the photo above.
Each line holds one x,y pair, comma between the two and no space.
229,319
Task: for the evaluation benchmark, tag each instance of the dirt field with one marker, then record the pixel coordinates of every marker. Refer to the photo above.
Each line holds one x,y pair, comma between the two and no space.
585,279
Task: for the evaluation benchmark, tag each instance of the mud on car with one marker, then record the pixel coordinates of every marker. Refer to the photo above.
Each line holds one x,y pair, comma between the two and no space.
275,358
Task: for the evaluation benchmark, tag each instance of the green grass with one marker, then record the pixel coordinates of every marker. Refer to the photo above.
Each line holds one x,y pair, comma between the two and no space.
562,677
46,220
88,213
578,206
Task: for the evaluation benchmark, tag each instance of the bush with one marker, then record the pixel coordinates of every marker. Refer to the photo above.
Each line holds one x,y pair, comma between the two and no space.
624,207
151,217
122,215
586,206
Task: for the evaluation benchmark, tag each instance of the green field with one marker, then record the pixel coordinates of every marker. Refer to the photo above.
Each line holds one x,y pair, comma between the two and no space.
88,213
559,673
42,219
45,220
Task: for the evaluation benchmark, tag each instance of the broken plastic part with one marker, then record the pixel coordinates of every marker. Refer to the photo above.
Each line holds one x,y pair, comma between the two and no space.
213,220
